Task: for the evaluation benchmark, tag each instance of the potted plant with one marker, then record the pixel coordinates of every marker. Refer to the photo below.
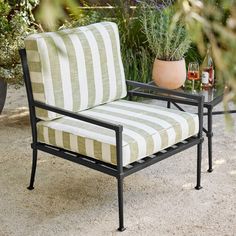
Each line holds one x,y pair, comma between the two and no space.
169,42
14,26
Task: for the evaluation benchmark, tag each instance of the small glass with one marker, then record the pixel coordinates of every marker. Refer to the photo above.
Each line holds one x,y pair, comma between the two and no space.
193,73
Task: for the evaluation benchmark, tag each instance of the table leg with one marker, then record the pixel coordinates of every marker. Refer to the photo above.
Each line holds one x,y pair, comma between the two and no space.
209,136
168,104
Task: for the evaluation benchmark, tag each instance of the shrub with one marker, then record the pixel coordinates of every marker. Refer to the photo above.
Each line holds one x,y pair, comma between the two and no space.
137,57
168,40
15,22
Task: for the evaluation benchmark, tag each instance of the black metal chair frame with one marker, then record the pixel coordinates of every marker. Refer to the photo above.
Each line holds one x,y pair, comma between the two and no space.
117,171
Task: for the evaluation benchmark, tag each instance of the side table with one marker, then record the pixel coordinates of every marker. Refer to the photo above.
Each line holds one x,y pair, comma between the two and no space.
212,97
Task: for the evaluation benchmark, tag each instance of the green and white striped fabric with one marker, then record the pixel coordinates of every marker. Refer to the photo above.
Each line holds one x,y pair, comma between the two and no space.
147,129
77,68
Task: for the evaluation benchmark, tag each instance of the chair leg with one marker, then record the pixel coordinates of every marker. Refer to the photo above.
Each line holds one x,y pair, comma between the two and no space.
199,161
121,205
34,165
168,104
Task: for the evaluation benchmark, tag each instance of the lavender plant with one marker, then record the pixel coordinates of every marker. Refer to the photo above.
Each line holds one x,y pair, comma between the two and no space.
167,40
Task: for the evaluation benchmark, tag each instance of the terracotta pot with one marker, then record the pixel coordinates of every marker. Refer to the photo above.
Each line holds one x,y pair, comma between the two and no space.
169,74
3,93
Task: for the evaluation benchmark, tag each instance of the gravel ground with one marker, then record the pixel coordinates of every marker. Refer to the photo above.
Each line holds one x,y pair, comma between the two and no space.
73,200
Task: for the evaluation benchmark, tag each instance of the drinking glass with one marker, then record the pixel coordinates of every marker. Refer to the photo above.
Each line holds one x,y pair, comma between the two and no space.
193,73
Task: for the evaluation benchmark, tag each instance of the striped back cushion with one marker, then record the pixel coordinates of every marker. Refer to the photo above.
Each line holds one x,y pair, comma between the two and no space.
76,69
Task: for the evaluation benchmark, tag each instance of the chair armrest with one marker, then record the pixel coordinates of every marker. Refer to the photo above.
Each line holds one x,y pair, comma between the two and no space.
32,104
169,95
117,128
108,125
176,96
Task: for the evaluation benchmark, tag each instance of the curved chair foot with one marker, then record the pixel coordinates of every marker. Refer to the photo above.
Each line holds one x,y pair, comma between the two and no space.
30,187
121,229
198,187
34,165
210,170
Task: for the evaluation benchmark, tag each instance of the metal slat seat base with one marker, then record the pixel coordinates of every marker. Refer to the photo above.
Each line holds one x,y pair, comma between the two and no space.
112,169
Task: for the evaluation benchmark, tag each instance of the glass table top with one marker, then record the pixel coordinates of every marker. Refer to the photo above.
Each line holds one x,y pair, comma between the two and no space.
210,95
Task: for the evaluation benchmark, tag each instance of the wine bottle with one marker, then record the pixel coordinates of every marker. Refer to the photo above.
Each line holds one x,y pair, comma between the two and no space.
208,66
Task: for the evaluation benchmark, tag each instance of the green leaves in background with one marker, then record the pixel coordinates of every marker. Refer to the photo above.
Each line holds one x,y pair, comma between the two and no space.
15,24
168,40
214,22
206,21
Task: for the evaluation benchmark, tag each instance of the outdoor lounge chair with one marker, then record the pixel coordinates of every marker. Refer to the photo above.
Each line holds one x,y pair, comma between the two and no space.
75,87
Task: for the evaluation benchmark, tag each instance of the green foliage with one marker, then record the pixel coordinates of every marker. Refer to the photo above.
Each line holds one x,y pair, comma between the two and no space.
138,65
51,15
86,17
214,22
208,21
168,41
14,26
137,57
193,55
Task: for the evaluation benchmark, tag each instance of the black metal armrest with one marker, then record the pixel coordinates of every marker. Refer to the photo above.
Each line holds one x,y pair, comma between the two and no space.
32,104
108,125
166,94
117,128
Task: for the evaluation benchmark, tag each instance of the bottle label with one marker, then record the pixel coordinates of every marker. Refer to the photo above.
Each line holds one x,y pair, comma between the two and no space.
205,77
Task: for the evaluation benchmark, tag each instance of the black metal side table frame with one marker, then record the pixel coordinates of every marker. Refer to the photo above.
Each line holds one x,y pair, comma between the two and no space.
215,96
209,105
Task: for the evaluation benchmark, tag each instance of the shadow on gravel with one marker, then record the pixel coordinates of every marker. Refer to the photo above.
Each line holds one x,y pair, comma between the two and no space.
17,117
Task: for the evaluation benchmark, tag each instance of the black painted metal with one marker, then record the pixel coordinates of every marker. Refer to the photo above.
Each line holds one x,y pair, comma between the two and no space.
199,147
34,165
119,155
111,169
3,93
209,131
33,119
162,90
209,105
157,157
120,203
117,171
77,116
79,159
163,98
209,135
220,112
179,107
168,104
205,130
199,161
214,102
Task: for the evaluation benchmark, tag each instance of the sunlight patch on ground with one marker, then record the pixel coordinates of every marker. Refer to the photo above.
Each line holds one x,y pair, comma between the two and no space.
220,161
188,186
42,161
232,172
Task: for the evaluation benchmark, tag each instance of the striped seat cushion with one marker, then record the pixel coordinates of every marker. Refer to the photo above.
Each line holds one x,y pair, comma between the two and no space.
147,129
77,68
